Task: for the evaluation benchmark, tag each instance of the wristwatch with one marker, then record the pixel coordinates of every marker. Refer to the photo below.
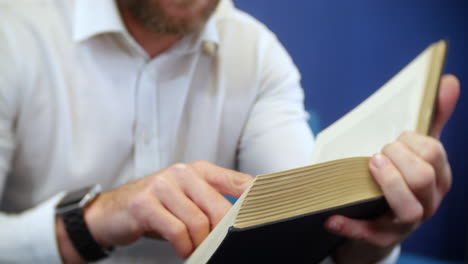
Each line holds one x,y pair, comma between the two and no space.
70,209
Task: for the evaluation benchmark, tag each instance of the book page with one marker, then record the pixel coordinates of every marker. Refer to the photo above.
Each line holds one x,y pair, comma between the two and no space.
380,119
292,193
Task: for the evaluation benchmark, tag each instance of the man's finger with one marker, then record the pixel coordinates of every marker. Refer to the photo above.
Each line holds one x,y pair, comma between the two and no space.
381,231
404,204
171,229
447,98
195,186
175,200
227,182
418,174
432,151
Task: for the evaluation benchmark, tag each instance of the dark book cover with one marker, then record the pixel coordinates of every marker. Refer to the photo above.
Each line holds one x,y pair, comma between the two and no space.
301,239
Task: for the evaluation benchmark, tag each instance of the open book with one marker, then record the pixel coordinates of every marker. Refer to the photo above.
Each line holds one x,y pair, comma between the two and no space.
280,217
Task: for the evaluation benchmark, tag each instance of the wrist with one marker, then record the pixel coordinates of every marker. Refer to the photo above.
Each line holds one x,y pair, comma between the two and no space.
92,216
67,251
73,229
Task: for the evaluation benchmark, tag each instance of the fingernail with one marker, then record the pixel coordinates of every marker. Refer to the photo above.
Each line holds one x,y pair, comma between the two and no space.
379,161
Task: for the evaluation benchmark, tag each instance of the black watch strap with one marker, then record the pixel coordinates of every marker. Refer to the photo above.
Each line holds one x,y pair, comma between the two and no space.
80,236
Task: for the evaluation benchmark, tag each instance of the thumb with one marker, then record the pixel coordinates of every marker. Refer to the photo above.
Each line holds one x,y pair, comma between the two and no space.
226,181
447,98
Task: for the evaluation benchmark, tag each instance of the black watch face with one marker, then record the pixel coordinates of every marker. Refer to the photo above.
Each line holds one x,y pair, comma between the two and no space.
74,197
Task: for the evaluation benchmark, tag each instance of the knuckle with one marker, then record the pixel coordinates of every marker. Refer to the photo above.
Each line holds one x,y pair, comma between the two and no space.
201,166
201,163
199,223
432,151
390,181
178,167
425,177
181,170
392,147
413,216
161,185
387,148
175,232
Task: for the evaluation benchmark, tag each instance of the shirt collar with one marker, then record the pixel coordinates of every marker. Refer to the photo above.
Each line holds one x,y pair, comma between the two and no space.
92,18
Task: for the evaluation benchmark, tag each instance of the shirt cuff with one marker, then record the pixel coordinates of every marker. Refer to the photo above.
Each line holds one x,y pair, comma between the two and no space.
392,258
29,237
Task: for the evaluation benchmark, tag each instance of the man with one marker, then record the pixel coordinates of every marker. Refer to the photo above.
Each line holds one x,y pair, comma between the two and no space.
130,94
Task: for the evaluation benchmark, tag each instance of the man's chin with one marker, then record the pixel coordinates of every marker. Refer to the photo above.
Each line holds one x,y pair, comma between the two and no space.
179,18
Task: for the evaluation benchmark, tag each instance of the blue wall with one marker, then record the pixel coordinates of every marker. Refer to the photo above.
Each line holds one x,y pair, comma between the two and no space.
347,49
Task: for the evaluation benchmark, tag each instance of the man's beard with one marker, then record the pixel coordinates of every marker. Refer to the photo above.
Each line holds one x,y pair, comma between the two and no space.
152,15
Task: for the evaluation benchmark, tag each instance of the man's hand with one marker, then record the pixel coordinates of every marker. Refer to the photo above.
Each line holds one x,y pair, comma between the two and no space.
181,204
414,175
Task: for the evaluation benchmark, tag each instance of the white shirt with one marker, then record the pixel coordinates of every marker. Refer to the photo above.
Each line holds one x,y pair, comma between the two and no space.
82,103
